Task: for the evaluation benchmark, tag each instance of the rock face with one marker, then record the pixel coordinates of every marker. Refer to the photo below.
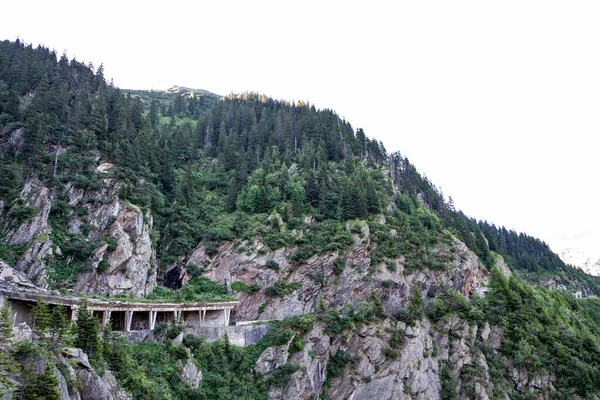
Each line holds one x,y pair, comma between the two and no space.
33,230
77,380
411,368
189,373
90,386
317,277
411,371
122,260
39,197
131,267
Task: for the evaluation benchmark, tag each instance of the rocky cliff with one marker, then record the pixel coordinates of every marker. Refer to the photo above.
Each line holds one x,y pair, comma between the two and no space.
85,239
319,277
363,364
386,359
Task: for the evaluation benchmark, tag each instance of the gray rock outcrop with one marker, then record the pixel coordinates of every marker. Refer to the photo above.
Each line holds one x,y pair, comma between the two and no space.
91,386
95,217
189,373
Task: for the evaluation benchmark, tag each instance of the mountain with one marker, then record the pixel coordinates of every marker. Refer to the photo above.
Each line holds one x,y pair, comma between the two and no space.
375,284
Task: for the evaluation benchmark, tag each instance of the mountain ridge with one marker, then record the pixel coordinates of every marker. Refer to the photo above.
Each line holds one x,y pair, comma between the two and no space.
378,285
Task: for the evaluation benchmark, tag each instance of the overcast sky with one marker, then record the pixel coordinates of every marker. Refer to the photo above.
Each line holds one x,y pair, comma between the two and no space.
498,103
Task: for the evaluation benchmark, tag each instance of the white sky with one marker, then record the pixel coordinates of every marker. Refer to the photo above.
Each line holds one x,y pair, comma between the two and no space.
496,102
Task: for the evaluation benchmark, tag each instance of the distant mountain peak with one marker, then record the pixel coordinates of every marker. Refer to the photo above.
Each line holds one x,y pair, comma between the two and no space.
186,91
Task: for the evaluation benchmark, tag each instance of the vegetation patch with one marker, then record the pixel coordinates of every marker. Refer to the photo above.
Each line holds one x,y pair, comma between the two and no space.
283,288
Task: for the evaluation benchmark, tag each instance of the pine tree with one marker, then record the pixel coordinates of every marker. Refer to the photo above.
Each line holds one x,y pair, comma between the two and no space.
416,305
43,387
376,300
312,189
86,331
59,327
8,366
354,204
371,196
448,386
41,318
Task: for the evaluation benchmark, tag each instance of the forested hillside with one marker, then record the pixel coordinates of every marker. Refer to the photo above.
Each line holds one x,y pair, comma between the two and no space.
206,168
379,286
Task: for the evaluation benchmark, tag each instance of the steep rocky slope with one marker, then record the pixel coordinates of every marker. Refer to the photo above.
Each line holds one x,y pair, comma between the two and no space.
91,241
317,277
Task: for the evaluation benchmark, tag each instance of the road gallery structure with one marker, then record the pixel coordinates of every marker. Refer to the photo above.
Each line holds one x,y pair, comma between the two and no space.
123,316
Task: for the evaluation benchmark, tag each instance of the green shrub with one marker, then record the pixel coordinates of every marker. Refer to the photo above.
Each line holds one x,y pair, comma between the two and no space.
178,352
301,323
317,278
335,323
283,288
193,342
111,242
281,376
337,364
271,264
296,345
303,253
391,266
194,270
22,214
102,266
280,336
448,386
239,286
338,265
210,248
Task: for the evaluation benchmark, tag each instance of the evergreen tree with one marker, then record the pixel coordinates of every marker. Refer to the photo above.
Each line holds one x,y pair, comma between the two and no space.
86,331
43,387
448,386
354,203
416,305
59,327
154,113
8,366
41,317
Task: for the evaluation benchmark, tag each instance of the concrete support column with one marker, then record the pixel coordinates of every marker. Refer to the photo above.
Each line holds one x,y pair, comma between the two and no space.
203,315
105,318
152,319
177,317
128,318
226,313
74,310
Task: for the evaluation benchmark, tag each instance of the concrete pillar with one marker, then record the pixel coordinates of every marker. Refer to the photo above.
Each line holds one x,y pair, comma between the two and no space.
74,313
226,313
152,319
203,315
105,318
128,318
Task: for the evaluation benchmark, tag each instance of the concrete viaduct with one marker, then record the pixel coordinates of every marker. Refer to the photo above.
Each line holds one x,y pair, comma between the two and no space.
123,316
